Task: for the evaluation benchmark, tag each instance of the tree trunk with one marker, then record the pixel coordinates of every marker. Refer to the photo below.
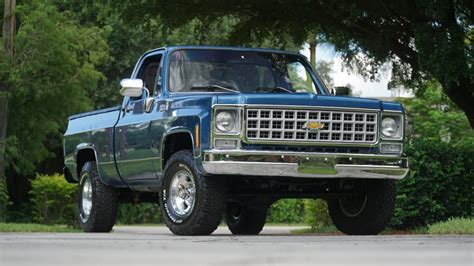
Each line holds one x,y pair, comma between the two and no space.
7,41
312,51
8,31
8,25
3,131
462,94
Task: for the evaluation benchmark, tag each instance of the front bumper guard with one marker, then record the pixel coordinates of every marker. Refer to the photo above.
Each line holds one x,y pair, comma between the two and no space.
301,164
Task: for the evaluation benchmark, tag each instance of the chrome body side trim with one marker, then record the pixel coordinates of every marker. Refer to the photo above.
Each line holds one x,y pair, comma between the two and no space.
301,164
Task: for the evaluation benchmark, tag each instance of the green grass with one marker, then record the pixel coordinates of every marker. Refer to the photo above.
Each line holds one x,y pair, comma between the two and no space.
30,228
453,226
331,229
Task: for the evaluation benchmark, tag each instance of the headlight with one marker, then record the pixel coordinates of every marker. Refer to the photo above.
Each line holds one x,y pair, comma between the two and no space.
389,127
392,127
226,121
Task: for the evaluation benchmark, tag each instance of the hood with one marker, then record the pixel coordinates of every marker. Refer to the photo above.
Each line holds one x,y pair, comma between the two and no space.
306,99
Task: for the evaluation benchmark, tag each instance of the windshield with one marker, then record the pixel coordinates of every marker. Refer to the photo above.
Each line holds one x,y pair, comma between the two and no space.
238,71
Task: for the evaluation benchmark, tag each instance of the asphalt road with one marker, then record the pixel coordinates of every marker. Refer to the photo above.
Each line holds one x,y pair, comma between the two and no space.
275,246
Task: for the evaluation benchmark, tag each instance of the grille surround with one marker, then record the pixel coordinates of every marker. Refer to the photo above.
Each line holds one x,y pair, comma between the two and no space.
284,125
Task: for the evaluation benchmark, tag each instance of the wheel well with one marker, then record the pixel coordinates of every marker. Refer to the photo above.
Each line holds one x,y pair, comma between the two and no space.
176,142
82,157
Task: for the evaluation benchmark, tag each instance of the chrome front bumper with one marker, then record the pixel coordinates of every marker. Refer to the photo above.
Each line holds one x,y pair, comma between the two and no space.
301,164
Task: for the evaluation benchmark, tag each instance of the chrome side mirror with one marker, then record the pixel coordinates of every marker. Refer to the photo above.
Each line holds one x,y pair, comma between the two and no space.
131,87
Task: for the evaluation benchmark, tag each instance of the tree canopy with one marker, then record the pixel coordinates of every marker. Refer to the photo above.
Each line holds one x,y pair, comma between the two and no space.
434,117
423,39
53,66
69,57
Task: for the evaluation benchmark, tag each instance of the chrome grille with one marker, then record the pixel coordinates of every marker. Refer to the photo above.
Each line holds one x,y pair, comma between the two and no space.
288,125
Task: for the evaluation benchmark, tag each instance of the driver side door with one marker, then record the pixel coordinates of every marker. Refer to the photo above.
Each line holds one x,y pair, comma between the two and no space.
134,152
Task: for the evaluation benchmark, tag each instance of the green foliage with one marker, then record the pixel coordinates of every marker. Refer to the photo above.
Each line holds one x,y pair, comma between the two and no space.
54,200
53,67
316,213
20,213
3,200
434,116
439,185
422,39
286,211
324,69
453,226
143,213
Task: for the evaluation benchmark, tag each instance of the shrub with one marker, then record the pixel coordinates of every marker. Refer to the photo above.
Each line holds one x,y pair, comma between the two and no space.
21,213
139,213
53,199
439,185
3,199
316,213
286,211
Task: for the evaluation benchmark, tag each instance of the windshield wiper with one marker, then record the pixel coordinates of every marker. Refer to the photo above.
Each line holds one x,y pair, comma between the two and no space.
213,88
274,88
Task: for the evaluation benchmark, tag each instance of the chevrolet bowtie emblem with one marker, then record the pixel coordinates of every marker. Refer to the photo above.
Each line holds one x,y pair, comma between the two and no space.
313,125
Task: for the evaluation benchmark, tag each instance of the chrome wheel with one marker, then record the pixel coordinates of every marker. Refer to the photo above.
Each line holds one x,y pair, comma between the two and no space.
182,194
86,204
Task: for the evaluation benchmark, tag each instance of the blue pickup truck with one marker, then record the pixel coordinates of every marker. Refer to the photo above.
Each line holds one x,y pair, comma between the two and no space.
220,132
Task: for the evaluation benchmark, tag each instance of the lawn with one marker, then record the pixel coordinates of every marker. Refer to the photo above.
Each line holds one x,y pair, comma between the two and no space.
30,228
453,226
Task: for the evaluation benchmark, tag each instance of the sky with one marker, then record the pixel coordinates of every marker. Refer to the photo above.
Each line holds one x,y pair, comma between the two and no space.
341,77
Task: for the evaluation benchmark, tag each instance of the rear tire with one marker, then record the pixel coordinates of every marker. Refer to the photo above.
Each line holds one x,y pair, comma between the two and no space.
192,204
244,220
367,214
97,202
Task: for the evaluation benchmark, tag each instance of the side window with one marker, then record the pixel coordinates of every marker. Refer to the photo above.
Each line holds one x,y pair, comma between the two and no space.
150,73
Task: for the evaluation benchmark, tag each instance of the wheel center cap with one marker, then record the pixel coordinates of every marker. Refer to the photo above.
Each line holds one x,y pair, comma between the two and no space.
182,193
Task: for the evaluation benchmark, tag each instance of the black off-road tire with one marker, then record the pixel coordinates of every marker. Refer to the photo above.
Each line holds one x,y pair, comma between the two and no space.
375,212
209,202
245,220
105,200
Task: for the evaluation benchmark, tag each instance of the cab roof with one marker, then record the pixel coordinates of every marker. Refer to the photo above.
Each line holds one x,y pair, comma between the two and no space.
230,48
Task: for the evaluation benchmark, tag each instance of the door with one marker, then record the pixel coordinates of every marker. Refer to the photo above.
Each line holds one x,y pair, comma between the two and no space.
133,144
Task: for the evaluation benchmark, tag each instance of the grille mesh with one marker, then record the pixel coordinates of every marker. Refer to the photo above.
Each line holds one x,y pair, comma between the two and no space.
289,125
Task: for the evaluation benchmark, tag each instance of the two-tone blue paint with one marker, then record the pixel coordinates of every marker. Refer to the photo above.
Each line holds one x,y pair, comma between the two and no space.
129,146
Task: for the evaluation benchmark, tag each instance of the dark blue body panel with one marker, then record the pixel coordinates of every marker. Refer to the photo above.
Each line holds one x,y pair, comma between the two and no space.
307,99
129,145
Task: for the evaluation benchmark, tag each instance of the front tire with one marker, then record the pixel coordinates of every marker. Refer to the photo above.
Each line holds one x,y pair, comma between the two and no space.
244,220
369,212
97,202
193,204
